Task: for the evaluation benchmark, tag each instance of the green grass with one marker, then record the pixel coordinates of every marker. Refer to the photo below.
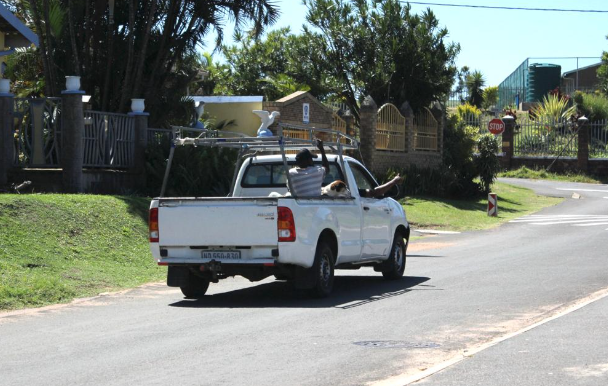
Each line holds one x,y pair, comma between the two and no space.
463,215
54,248
524,172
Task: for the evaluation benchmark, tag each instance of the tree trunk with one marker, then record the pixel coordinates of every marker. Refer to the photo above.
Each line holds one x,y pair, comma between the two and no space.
43,47
52,74
73,38
122,105
139,70
167,33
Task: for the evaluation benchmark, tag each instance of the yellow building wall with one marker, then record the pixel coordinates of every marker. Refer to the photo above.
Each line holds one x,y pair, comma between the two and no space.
246,121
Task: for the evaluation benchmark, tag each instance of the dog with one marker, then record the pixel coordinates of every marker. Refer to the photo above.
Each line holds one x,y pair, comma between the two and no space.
335,189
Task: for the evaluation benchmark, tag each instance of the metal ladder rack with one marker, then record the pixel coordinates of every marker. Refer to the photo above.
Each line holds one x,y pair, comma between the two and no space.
280,142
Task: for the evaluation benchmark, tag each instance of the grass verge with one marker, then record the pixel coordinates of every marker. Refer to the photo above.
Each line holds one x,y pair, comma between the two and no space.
464,215
524,172
54,248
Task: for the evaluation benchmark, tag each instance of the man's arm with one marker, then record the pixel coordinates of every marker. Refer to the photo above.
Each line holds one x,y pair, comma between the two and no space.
324,160
381,190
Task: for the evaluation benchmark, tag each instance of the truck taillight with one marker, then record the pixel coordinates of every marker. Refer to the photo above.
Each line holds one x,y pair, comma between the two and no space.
153,225
286,226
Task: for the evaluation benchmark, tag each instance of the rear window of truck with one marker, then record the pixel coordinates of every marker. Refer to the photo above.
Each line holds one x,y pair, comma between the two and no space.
272,175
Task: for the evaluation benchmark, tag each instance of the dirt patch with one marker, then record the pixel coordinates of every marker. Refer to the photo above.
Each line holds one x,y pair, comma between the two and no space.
414,247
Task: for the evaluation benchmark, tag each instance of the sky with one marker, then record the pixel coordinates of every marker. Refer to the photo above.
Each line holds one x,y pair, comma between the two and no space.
496,42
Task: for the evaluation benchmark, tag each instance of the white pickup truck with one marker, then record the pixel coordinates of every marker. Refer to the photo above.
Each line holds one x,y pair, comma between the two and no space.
301,239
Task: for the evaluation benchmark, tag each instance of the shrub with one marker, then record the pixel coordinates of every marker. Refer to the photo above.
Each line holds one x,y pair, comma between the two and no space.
467,110
487,163
459,147
195,171
490,97
553,109
594,106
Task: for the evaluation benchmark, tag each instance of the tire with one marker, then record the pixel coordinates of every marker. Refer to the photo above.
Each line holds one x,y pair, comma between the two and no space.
281,276
393,268
323,271
195,287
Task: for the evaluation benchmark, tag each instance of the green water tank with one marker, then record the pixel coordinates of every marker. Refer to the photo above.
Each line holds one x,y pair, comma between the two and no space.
542,78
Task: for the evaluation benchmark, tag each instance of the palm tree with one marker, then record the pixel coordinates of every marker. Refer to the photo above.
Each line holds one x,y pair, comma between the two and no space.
475,83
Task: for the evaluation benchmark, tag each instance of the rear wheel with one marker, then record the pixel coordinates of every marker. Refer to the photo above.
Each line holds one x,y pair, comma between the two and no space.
195,287
323,270
393,268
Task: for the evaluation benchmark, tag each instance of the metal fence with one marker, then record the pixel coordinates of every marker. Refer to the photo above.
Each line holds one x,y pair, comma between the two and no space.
109,140
425,131
544,138
481,122
391,130
598,139
159,136
37,132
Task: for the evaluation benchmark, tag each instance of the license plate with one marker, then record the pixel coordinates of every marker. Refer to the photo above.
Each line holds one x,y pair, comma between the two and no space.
229,255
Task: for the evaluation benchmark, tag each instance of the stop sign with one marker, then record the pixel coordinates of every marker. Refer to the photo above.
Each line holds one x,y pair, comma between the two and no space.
496,126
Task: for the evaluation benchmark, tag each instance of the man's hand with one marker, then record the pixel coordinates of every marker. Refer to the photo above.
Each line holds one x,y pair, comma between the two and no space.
398,179
320,144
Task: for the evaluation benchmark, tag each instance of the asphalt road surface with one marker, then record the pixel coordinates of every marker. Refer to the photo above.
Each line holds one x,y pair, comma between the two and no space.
525,303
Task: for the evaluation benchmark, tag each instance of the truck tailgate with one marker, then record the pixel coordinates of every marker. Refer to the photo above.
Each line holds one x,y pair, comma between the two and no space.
218,222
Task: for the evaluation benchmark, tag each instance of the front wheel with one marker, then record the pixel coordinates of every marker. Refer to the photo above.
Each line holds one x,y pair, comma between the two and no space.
323,270
393,268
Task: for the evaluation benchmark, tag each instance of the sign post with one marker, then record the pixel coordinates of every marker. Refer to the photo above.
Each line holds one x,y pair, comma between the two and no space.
496,126
492,205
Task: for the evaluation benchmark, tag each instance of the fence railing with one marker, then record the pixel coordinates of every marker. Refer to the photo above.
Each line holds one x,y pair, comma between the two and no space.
37,132
598,139
391,130
159,136
545,138
425,130
109,140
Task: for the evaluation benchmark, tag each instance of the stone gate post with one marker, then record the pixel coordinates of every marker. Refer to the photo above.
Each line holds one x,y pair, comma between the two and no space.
507,140
582,162
368,117
72,128
7,103
408,114
141,142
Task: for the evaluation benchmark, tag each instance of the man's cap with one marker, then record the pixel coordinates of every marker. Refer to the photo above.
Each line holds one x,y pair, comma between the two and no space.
305,154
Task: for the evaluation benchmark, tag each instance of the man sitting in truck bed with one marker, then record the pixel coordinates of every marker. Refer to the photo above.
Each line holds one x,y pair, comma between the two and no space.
306,178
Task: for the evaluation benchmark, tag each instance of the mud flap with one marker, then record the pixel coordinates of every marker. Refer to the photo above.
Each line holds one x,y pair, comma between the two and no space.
304,278
177,276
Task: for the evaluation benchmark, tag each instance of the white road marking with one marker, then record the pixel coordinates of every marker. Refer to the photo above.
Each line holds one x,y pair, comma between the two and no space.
567,219
583,190
401,380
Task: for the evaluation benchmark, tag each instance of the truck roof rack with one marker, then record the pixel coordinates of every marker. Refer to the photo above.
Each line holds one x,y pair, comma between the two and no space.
288,137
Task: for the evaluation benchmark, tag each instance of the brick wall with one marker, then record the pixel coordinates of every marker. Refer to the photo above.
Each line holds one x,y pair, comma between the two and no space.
291,109
383,160
597,167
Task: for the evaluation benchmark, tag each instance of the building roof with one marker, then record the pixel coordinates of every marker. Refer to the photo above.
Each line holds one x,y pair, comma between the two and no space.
227,99
18,34
596,65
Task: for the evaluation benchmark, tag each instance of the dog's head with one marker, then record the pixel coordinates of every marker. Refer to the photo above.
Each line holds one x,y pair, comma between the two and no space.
338,186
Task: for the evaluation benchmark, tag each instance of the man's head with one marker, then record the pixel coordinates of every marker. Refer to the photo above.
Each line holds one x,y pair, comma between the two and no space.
304,158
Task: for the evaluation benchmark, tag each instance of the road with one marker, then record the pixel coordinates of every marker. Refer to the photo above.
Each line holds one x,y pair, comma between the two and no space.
525,303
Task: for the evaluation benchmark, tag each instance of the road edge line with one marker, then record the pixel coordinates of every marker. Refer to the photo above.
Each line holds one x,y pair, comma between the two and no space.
561,311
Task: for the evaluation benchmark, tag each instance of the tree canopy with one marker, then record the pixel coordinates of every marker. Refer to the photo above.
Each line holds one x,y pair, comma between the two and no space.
380,48
131,48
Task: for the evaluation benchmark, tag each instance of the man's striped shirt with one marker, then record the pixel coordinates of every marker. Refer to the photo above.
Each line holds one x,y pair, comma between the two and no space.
308,181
